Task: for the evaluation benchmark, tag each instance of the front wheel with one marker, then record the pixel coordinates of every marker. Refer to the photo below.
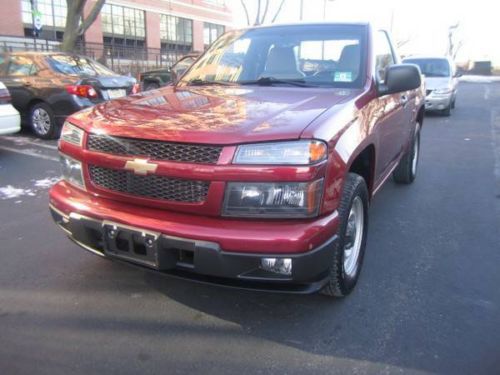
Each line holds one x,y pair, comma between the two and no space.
349,249
406,171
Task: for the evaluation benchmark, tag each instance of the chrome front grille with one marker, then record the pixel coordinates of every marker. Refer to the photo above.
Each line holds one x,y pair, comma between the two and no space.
149,186
155,150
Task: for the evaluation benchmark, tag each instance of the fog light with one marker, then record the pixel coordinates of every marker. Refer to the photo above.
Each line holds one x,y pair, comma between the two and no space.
282,266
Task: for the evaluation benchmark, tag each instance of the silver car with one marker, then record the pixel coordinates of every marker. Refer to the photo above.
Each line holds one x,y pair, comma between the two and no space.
441,81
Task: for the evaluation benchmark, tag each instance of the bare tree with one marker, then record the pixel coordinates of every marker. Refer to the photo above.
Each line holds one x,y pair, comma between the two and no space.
261,18
76,24
454,42
278,11
246,11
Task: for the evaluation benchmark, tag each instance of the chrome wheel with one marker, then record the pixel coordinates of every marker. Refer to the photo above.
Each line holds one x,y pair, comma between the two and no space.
414,160
41,121
354,237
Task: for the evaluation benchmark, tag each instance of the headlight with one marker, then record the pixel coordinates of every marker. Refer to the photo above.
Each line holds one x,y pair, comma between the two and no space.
292,153
72,134
72,170
274,200
443,91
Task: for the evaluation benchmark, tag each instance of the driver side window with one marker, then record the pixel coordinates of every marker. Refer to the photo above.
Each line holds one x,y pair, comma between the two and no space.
383,55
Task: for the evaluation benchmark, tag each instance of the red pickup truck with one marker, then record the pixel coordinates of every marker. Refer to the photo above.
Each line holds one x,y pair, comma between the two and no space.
256,169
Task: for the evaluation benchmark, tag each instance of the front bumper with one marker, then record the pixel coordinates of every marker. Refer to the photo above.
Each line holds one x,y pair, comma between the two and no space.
192,257
437,103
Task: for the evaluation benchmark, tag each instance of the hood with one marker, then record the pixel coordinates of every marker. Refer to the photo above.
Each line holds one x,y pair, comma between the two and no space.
434,83
216,115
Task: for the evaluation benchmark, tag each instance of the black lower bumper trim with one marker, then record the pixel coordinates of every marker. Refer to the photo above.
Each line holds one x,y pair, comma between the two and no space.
195,260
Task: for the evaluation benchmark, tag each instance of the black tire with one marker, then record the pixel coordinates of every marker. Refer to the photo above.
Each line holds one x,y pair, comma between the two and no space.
151,86
453,103
406,172
447,110
43,122
341,283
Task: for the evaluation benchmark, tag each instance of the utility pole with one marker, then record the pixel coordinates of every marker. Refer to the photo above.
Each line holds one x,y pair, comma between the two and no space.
301,9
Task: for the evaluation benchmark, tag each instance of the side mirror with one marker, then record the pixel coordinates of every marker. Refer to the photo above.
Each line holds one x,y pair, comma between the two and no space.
399,78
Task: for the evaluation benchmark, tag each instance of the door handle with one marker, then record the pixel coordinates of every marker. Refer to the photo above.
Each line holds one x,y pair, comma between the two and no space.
403,100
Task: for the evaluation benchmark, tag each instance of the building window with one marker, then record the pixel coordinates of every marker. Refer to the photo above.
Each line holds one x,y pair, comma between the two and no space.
53,18
123,27
176,33
211,32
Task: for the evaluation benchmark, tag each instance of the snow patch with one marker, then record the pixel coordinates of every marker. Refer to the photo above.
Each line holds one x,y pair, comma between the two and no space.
46,182
9,192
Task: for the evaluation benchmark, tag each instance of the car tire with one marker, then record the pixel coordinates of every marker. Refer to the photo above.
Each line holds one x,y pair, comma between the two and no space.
43,122
406,171
151,86
349,249
447,110
453,103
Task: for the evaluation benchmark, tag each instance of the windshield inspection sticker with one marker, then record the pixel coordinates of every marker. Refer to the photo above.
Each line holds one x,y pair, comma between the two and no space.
343,77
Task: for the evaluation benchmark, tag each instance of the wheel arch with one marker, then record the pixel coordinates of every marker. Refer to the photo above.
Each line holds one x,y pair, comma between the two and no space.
363,164
420,116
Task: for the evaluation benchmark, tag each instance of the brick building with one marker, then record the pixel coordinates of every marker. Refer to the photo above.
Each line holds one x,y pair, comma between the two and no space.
160,29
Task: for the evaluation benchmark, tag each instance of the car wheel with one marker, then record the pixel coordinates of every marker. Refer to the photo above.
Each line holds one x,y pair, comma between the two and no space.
447,110
151,86
349,249
42,121
406,171
453,103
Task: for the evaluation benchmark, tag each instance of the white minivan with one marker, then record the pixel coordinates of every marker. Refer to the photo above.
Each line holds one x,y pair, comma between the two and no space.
10,121
441,81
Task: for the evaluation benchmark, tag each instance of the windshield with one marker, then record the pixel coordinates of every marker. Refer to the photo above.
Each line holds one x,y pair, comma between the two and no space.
432,67
315,55
72,64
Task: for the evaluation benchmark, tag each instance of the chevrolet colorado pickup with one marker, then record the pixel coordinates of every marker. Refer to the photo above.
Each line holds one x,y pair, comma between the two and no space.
256,169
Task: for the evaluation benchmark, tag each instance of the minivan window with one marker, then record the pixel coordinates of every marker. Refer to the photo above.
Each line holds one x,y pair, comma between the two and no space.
315,55
432,67
77,65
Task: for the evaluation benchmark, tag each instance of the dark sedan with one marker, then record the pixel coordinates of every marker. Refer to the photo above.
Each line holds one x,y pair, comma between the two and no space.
157,78
46,87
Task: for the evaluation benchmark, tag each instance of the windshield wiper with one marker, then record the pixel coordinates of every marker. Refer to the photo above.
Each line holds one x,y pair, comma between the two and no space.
203,82
269,81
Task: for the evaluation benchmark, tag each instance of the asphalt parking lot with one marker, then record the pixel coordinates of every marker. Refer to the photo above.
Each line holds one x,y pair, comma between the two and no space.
428,299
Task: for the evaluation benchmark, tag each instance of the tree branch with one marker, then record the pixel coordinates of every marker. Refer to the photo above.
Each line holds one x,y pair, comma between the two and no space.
278,11
87,22
246,11
263,19
258,14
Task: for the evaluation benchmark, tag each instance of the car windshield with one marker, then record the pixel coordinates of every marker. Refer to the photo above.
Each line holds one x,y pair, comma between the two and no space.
303,55
78,65
432,67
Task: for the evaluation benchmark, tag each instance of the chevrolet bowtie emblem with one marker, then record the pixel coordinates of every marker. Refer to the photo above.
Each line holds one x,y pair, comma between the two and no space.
141,166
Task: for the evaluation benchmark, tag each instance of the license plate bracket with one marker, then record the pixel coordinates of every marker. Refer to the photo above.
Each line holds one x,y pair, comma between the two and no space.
130,244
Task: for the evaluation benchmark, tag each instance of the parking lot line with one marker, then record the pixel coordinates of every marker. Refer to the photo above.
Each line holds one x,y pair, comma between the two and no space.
30,153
